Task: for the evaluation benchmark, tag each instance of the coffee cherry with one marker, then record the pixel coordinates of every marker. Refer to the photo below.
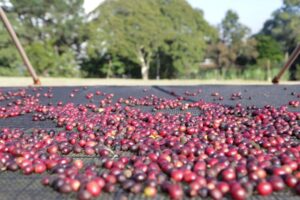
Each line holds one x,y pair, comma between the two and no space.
93,188
40,168
175,192
150,191
264,188
177,175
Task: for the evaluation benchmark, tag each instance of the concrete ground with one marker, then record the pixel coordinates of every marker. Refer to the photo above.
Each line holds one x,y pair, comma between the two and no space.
27,81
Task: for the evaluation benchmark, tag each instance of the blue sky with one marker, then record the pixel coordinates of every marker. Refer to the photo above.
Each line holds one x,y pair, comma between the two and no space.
253,13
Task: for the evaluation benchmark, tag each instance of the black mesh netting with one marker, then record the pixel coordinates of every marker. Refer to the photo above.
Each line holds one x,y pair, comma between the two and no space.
14,185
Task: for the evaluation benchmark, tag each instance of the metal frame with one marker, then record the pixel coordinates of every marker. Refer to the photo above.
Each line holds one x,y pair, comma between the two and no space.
288,64
19,46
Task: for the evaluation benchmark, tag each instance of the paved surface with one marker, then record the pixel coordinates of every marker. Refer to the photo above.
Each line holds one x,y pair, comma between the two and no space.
50,81
17,186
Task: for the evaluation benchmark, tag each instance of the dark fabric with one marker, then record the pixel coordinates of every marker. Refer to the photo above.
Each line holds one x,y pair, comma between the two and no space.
18,186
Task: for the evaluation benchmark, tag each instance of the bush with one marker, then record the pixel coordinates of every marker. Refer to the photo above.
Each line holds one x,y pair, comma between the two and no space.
252,72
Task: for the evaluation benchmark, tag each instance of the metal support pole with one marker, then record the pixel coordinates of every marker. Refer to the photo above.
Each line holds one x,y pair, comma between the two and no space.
287,65
15,39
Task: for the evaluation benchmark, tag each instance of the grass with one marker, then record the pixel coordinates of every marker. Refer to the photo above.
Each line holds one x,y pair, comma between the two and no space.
27,81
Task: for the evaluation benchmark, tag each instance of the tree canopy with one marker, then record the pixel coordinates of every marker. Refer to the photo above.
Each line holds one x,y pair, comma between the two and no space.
234,47
232,31
268,48
284,27
139,30
141,39
50,31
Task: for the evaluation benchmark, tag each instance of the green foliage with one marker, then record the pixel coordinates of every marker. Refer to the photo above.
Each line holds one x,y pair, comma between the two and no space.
268,48
298,72
232,31
143,38
139,30
51,32
247,52
107,66
48,62
10,61
285,25
251,72
234,47
125,28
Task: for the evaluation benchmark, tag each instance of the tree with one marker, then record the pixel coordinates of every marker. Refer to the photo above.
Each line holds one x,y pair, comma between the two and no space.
51,33
10,62
141,30
108,66
49,62
268,48
128,29
232,31
241,49
246,53
234,47
219,52
187,38
284,27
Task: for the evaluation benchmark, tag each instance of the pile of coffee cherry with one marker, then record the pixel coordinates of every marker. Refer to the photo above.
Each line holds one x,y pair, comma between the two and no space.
220,151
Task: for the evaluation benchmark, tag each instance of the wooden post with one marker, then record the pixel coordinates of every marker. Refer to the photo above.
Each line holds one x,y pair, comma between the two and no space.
268,70
288,64
22,53
109,70
157,67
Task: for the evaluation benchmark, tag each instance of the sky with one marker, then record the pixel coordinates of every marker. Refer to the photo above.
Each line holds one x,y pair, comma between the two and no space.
252,13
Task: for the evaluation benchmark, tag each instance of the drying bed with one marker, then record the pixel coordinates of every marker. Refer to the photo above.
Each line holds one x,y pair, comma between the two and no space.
192,102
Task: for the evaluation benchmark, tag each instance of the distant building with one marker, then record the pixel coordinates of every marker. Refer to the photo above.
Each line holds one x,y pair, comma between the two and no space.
208,63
